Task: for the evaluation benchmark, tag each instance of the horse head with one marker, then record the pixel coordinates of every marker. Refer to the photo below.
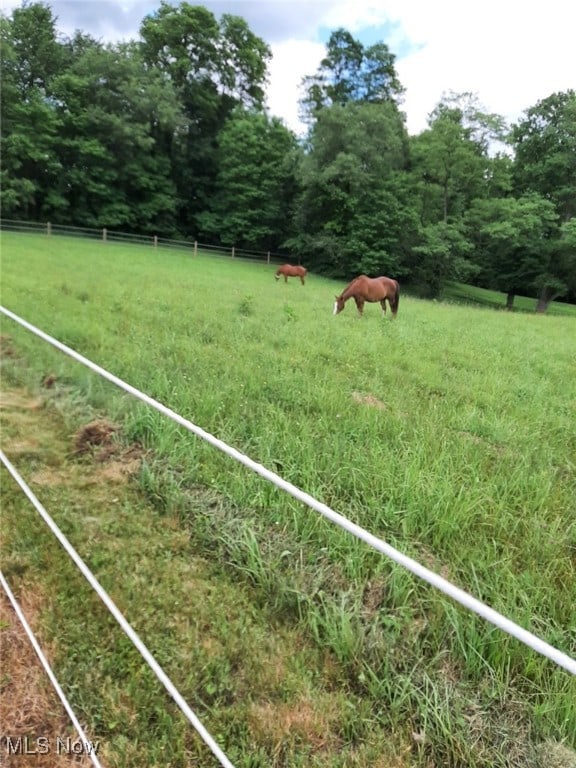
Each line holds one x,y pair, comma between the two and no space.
338,305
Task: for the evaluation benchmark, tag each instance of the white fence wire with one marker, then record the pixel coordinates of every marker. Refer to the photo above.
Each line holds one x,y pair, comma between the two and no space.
442,584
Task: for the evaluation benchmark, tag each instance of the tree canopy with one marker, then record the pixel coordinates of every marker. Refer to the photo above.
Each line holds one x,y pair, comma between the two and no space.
170,134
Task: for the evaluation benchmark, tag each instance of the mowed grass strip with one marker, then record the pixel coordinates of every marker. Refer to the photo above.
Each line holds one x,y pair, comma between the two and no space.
448,432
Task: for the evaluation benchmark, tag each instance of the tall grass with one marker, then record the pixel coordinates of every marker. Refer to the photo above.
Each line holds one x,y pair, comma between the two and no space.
449,433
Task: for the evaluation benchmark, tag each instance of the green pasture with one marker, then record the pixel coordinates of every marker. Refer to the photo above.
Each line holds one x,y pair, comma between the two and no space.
449,432
482,297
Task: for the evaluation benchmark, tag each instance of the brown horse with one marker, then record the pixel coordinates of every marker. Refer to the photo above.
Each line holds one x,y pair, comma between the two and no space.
288,270
371,289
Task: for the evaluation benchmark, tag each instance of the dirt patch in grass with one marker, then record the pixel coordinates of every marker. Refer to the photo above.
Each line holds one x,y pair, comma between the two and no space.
366,399
7,347
301,720
14,399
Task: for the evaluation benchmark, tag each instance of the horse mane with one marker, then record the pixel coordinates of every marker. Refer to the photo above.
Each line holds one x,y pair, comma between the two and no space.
352,283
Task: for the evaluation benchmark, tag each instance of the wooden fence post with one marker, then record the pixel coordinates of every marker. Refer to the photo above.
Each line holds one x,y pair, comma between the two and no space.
195,248
48,229
268,258
155,241
104,234
232,251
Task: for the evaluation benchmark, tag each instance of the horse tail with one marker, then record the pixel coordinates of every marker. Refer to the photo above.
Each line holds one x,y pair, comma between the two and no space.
395,299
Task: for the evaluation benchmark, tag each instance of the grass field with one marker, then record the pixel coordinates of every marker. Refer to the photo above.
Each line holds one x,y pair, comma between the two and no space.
449,433
481,297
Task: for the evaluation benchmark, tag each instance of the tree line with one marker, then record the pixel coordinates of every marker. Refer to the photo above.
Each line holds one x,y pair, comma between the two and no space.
169,135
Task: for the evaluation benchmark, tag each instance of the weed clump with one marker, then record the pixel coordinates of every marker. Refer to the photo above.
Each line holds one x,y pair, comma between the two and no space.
246,306
49,381
97,434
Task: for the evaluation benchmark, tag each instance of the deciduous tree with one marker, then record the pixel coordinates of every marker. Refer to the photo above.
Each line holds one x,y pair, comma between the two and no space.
514,238
353,214
215,66
449,163
350,72
252,205
544,141
114,112
31,55
558,278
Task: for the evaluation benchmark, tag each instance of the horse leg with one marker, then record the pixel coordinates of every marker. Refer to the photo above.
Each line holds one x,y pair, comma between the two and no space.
394,301
383,305
301,279
285,278
359,305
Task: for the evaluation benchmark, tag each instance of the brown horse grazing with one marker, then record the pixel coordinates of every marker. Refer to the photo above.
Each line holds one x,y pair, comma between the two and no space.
288,270
371,289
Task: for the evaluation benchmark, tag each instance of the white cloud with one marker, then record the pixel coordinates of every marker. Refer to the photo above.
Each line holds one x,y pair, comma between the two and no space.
355,14
509,53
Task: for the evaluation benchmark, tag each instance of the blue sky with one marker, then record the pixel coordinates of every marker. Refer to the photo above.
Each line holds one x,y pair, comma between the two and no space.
509,53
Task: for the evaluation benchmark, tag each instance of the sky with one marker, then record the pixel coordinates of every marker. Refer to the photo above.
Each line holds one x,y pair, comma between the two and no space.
508,53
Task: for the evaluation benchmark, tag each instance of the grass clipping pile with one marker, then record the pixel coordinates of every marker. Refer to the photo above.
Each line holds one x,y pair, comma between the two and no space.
96,440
